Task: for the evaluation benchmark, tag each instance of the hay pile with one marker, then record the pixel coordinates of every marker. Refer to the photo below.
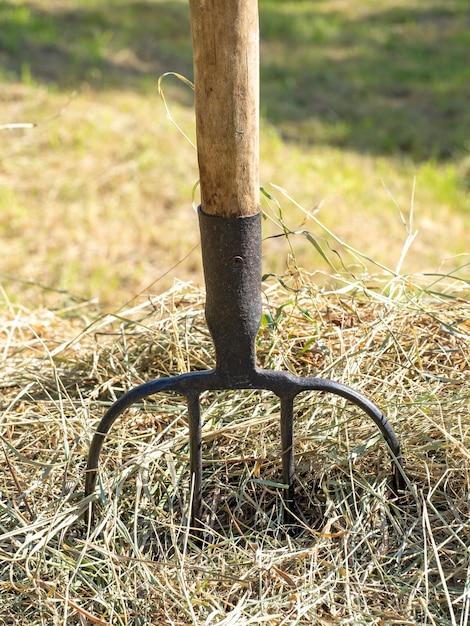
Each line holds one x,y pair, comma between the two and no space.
359,557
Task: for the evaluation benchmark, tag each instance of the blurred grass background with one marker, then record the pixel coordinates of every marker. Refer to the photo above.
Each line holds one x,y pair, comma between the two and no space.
365,121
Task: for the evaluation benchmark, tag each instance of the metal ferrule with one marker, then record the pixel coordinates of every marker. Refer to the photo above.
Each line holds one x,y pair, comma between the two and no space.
231,257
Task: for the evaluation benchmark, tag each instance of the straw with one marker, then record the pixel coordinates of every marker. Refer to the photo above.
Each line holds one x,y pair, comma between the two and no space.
359,558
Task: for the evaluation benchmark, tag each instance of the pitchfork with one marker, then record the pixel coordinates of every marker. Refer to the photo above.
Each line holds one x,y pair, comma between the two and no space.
226,66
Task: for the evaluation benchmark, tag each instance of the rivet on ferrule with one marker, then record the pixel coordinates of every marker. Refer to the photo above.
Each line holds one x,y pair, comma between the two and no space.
236,262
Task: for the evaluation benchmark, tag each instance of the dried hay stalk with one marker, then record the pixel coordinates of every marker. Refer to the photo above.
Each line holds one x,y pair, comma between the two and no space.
360,559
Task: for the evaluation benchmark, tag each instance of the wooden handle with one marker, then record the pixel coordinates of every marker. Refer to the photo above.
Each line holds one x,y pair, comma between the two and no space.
225,37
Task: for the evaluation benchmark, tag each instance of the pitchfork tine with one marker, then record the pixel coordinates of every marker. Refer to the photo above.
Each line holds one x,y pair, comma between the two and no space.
195,450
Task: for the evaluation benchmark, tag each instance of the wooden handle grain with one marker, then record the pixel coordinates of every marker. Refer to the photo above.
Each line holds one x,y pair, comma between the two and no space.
225,37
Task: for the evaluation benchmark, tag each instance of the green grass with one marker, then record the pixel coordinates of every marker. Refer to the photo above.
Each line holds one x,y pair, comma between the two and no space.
364,114
381,77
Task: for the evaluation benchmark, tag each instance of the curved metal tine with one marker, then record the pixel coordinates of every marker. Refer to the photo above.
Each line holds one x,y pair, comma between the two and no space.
381,421
115,410
108,419
287,436
398,474
390,438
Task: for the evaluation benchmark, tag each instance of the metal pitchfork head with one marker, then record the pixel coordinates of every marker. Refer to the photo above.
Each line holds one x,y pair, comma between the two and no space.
225,44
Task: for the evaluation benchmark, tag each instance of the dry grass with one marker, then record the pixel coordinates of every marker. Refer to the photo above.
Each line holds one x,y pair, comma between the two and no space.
359,559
